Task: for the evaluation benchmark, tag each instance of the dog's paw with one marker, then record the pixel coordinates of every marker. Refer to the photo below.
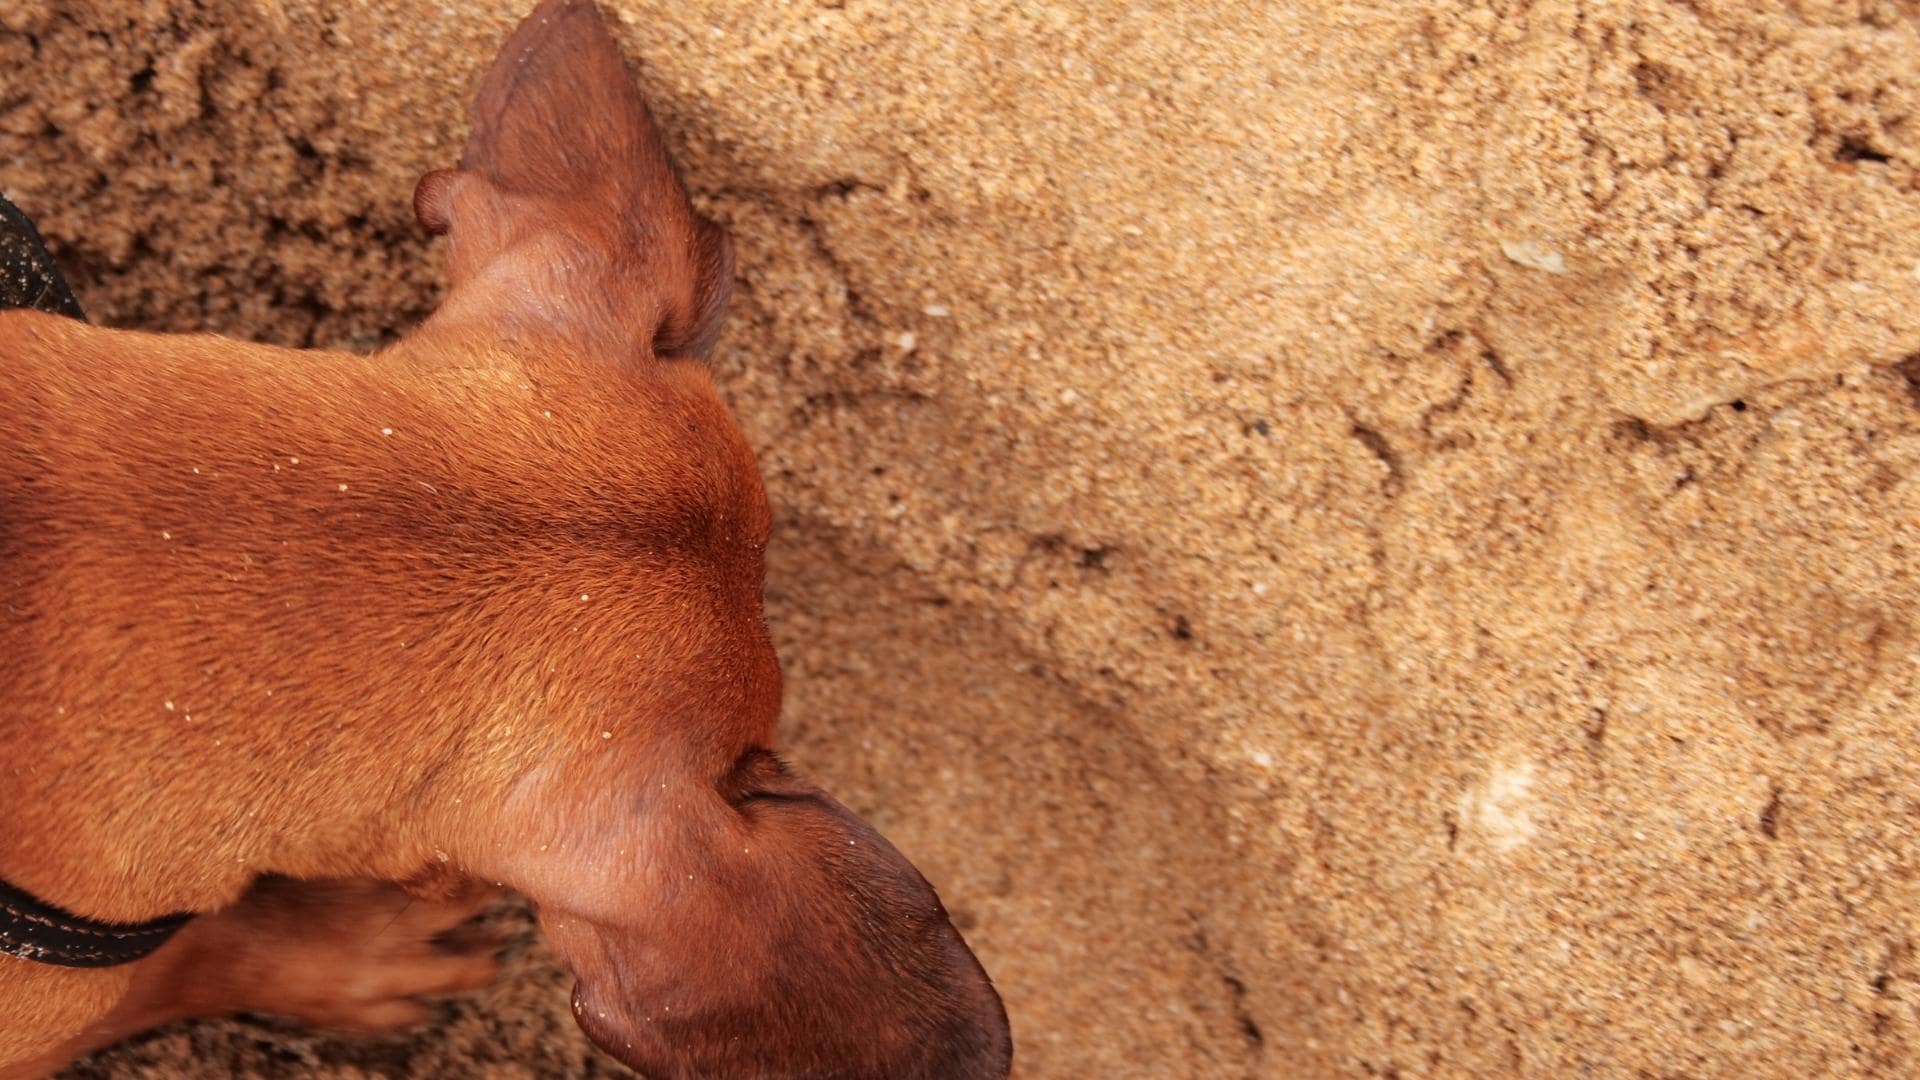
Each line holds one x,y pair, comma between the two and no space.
346,955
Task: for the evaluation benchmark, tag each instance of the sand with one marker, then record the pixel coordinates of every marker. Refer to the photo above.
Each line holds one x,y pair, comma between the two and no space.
1350,539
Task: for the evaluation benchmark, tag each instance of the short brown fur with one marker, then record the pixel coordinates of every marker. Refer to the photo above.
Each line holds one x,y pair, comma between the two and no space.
282,625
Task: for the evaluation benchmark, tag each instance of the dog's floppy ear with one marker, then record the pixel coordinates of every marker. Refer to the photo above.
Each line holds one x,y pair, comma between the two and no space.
774,933
566,220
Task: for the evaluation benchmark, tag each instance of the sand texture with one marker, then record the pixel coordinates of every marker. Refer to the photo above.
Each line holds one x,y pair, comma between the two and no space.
1351,538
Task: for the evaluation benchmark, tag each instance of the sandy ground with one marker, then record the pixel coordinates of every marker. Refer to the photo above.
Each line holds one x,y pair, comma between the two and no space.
1356,538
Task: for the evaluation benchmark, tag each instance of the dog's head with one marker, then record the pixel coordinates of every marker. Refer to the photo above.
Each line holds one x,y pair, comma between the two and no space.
756,927
780,936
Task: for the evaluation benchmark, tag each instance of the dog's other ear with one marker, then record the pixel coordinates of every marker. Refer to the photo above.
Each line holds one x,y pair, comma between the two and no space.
566,220
780,935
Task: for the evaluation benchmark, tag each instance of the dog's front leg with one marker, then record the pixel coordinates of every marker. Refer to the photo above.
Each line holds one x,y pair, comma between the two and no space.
345,955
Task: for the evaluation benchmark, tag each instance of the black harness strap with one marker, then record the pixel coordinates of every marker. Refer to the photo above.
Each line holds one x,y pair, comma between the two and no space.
28,276
33,929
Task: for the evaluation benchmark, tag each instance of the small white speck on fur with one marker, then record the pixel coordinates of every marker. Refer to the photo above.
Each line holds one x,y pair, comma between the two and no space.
293,461
165,535
343,487
583,597
386,431
606,734
168,705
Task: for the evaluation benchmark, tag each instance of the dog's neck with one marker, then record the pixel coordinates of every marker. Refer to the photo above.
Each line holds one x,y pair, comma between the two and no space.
349,603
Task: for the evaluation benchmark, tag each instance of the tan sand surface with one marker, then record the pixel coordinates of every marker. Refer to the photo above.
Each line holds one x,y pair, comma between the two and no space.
1351,538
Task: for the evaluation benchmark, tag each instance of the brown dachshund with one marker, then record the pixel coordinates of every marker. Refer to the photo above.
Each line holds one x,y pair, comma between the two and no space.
293,643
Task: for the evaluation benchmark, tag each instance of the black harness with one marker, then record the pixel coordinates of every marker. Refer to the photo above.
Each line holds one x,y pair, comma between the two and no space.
31,928
29,278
